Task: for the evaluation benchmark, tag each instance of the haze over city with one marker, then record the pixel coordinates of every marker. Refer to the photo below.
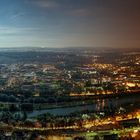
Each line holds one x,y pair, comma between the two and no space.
69,23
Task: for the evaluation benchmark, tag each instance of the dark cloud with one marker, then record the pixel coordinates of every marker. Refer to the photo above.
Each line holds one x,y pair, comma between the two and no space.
46,3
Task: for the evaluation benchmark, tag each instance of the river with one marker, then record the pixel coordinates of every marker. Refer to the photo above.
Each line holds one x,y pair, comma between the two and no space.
98,105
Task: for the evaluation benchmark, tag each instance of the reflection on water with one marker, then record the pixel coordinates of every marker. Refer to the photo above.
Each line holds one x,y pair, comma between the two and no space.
101,104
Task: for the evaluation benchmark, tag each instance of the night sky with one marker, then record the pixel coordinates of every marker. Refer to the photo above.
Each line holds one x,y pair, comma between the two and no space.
70,23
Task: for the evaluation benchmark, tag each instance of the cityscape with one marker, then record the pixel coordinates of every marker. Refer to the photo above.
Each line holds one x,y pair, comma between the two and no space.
70,94
69,69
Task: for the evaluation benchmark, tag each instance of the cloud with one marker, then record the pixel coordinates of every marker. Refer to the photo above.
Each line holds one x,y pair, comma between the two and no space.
46,3
80,12
9,30
17,15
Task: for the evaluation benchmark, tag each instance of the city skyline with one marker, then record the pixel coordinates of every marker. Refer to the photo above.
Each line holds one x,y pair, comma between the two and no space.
69,23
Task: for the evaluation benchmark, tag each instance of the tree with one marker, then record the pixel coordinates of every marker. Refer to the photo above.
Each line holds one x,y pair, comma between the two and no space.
6,117
88,83
24,116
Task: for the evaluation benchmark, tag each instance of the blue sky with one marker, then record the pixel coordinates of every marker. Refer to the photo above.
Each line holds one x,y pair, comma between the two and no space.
66,23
